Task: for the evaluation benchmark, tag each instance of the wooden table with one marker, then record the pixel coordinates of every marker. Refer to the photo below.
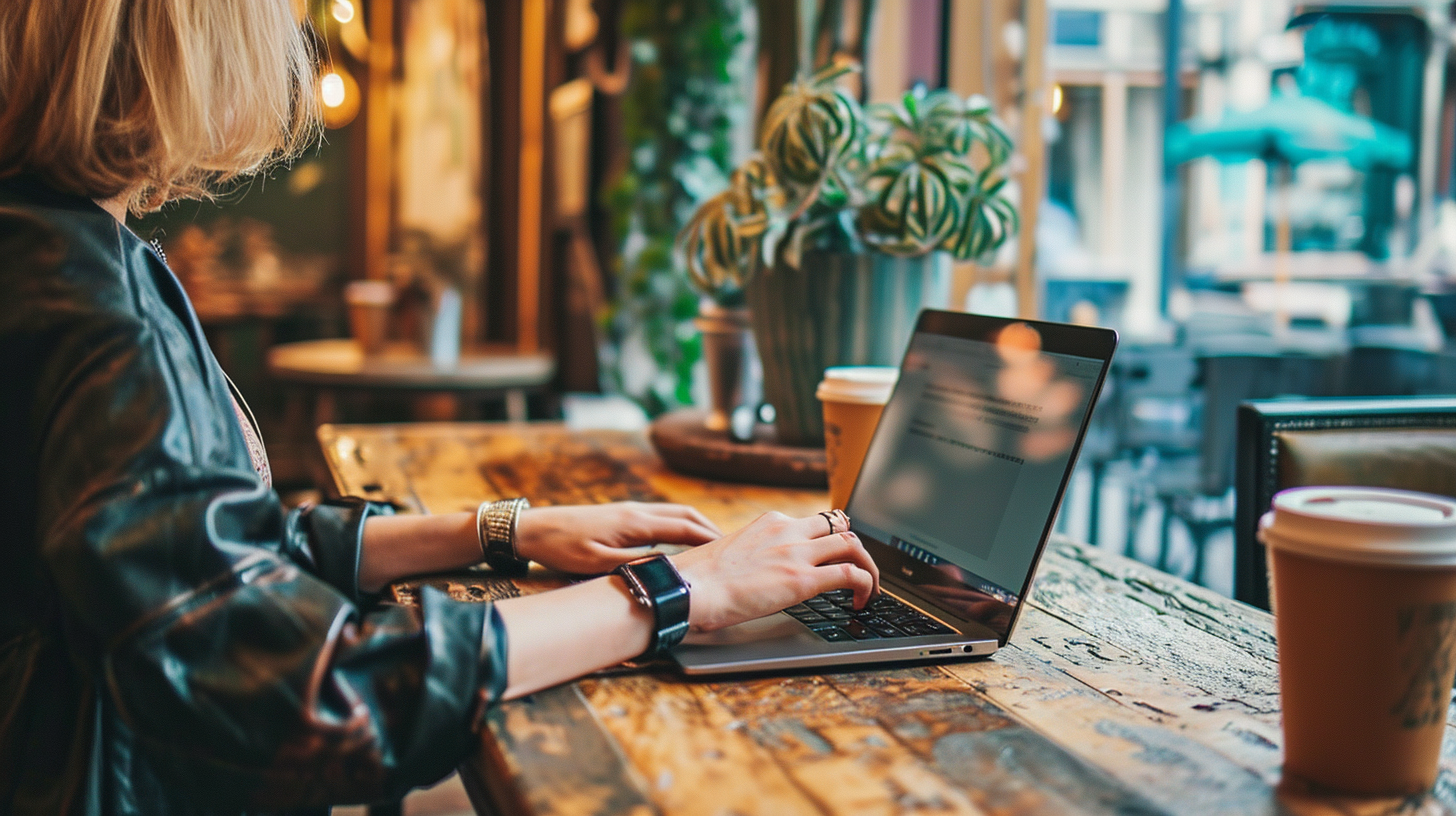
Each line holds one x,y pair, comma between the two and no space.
1124,690
327,366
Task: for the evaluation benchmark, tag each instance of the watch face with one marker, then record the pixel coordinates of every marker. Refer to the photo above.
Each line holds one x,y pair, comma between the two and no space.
655,582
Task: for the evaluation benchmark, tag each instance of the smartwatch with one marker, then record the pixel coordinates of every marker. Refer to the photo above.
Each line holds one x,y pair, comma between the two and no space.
655,583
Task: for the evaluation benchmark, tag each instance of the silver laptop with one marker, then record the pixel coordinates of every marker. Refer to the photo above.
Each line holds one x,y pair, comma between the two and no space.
955,500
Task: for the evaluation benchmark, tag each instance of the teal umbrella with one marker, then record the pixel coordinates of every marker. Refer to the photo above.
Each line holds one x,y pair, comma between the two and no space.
1315,122
1290,129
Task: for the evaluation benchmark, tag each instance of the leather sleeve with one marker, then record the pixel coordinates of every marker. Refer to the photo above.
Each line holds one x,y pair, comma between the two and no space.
230,637
327,538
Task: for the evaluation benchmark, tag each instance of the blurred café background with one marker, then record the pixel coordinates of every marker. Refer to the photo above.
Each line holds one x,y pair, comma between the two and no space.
1257,195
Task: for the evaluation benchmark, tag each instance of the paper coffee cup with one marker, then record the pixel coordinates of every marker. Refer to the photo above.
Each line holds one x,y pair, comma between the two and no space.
853,397
369,303
1364,596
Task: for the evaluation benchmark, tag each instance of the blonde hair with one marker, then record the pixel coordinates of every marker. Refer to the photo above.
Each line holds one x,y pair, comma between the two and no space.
152,99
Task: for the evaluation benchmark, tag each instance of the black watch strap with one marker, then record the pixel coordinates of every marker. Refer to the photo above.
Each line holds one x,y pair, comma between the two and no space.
656,584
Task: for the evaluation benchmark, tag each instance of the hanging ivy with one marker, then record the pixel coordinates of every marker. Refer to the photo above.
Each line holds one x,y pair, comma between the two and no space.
688,96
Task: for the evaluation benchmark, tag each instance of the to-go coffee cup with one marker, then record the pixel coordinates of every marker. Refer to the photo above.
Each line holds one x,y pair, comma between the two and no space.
853,397
369,302
1364,597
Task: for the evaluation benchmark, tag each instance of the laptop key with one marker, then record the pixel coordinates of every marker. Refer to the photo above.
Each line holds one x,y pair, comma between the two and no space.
882,627
882,617
859,631
833,635
928,627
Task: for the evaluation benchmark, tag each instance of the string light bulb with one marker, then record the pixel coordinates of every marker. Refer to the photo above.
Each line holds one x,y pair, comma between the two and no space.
331,88
339,97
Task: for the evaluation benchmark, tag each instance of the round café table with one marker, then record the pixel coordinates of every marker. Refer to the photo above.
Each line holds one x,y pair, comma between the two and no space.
326,368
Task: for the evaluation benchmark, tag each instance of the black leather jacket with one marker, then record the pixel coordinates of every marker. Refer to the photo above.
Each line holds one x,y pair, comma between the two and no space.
171,641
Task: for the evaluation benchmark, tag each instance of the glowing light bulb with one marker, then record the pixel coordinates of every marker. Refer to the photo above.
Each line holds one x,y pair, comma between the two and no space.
1057,96
331,89
343,10
338,96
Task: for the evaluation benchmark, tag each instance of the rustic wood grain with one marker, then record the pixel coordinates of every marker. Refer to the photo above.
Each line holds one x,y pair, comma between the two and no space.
1124,690
546,755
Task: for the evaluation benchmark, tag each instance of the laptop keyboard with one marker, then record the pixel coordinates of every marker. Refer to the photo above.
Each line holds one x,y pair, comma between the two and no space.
832,616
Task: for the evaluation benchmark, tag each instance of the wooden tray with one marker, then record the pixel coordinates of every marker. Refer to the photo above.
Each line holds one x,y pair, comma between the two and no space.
687,447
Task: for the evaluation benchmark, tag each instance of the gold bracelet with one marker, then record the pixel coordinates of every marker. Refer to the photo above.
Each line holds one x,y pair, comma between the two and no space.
480,526
495,524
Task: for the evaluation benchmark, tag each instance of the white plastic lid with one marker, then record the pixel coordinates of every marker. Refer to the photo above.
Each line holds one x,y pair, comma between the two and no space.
867,385
369,293
1365,524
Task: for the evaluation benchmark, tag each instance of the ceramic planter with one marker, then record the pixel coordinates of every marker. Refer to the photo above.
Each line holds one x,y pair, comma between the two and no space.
836,309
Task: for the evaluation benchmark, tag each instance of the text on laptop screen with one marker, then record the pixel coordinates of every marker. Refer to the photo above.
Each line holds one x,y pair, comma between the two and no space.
967,463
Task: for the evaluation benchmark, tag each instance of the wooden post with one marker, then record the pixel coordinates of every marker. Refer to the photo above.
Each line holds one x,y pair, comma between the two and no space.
1283,248
531,178
966,58
887,76
1033,148
1114,166
379,141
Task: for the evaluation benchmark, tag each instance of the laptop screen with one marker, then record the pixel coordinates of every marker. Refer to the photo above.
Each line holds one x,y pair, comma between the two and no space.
962,479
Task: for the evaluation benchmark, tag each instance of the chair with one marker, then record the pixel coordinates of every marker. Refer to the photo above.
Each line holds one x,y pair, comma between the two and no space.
1389,361
1236,369
1154,412
1399,442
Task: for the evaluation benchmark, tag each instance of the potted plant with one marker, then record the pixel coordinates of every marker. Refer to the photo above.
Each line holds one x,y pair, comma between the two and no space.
843,225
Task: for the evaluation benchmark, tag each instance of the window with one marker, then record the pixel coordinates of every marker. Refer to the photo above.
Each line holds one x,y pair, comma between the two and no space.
1076,27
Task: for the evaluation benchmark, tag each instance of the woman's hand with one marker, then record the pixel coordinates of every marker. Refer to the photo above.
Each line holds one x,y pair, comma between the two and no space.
774,563
593,538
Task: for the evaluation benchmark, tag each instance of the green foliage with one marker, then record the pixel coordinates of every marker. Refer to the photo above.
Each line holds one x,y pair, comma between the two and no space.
809,131
936,171
729,227
685,98
924,175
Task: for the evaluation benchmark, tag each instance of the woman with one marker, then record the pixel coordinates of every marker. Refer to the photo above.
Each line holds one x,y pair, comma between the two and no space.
171,640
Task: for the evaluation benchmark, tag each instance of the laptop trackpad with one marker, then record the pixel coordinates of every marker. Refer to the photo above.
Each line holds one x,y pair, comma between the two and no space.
773,627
